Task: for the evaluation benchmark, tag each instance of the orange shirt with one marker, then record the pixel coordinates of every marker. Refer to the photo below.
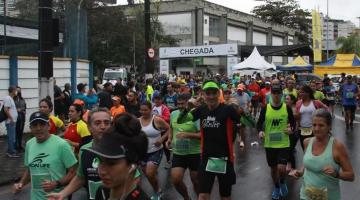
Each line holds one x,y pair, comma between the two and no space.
76,131
117,110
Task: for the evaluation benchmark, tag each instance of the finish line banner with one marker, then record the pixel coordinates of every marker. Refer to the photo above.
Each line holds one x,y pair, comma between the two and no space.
199,51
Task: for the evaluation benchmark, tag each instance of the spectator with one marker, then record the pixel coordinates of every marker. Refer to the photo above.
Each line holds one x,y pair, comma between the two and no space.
89,97
59,102
105,96
120,90
20,122
132,106
11,112
68,101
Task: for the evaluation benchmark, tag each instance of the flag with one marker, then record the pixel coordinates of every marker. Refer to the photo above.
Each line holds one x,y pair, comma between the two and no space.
317,36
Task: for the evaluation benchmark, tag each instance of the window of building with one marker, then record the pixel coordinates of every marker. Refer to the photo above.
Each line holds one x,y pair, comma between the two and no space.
214,27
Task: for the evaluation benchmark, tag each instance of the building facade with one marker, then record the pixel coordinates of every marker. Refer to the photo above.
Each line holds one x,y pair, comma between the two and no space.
10,5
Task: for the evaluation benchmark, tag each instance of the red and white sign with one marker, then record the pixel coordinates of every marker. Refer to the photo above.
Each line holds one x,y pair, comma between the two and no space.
151,53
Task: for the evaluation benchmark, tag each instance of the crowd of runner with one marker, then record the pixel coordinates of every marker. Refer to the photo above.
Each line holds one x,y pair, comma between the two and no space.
105,139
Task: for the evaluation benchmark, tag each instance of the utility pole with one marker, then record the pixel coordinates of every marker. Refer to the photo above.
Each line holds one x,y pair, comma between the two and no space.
327,30
148,62
5,23
45,49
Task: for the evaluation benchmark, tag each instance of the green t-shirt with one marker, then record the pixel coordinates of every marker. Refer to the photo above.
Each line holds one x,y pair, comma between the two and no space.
47,161
319,95
286,91
184,146
276,121
149,92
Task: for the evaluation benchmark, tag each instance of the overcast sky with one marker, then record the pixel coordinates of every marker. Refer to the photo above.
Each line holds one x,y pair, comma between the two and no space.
338,9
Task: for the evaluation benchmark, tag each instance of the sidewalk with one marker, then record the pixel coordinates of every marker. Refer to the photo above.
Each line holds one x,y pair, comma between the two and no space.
10,168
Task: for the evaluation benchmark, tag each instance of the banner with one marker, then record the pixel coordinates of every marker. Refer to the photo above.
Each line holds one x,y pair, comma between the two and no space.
317,36
199,51
231,61
164,67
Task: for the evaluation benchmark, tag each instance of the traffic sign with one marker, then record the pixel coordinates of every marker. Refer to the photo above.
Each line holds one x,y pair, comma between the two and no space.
151,53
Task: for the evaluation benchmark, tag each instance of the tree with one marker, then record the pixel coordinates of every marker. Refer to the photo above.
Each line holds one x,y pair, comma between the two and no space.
287,13
349,44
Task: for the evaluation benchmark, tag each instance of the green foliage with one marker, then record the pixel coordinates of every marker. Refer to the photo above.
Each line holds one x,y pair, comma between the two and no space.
349,44
287,13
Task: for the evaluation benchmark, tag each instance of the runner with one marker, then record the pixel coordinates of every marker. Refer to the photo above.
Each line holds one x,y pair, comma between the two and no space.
330,94
77,133
157,131
243,102
120,151
326,162
49,160
185,140
290,88
279,123
56,125
290,101
159,109
304,110
254,88
217,158
170,99
318,95
265,94
349,91
132,106
117,108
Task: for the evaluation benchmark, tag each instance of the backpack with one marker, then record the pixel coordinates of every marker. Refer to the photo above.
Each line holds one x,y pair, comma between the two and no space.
3,115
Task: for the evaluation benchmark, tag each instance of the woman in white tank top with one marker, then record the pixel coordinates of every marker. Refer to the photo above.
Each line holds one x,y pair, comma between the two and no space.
157,131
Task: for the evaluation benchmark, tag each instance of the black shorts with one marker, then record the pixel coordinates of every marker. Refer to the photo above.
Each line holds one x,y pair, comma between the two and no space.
350,108
206,179
191,161
275,156
254,103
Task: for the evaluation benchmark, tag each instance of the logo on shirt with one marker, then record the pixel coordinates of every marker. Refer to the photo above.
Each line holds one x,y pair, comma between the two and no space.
38,161
95,163
276,122
210,122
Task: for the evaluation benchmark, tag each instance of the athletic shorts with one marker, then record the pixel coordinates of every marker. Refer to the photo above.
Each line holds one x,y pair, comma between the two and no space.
254,103
191,161
154,157
276,156
206,179
350,108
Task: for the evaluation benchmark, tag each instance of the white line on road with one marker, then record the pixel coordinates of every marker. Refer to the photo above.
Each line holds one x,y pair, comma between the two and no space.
343,119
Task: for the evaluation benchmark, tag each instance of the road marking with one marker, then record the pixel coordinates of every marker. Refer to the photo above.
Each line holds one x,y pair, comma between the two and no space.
343,119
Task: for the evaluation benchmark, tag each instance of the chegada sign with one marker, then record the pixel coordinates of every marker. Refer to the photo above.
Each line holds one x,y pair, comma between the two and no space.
199,51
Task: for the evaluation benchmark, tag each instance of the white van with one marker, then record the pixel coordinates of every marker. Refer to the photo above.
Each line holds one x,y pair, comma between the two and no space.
112,74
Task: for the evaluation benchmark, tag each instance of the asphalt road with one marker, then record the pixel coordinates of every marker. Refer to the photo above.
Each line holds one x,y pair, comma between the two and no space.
253,175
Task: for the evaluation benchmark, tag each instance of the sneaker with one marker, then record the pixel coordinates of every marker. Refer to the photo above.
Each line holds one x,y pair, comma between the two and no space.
283,190
275,194
13,155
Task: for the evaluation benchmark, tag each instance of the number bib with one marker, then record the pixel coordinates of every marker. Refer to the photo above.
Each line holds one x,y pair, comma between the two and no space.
93,187
216,165
38,179
275,137
305,131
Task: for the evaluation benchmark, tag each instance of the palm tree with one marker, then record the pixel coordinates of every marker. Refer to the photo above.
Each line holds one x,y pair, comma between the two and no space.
349,44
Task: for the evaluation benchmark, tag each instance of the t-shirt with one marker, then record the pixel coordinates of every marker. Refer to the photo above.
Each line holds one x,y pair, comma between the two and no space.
243,100
136,194
117,110
170,101
76,131
318,95
255,89
105,99
55,123
287,92
88,166
216,134
349,93
48,160
184,146
265,95
149,92
133,109
9,103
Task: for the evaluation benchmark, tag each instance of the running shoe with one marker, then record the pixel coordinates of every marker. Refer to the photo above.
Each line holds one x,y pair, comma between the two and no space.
283,190
14,155
276,194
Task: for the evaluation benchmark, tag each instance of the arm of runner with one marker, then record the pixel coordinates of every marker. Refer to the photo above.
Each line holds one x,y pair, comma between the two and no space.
261,120
291,118
75,184
25,179
341,156
182,135
164,127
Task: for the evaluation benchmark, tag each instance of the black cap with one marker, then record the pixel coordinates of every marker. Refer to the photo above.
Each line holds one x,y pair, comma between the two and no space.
107,84
110,147
276,88
81,86
38,116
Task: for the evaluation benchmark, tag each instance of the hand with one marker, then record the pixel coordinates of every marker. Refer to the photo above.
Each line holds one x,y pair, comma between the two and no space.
181,135
288,130
329,171
49,186
295,174
168,144
55,196
158,142
17,187
261,134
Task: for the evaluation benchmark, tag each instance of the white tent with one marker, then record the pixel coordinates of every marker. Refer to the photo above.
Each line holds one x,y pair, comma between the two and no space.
255,62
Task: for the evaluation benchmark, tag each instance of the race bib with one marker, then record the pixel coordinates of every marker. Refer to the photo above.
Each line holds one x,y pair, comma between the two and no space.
182,144
93,187
305,131
38,179
276,137
216,165
349,95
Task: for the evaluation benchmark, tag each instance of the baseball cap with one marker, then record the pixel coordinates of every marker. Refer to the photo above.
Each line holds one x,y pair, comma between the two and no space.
38,116
241,87
267,83
110,147
276,88
210,85
81,86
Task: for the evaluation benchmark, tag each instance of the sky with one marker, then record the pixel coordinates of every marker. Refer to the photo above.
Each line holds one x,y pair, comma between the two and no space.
338,9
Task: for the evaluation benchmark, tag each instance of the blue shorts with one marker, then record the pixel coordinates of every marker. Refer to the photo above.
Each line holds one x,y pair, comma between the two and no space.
154,157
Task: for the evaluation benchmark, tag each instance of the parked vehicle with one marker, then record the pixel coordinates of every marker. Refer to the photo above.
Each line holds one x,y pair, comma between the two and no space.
112,74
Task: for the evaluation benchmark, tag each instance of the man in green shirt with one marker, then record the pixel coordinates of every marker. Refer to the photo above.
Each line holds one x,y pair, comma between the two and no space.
318,95
50,161
99,122
290,89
